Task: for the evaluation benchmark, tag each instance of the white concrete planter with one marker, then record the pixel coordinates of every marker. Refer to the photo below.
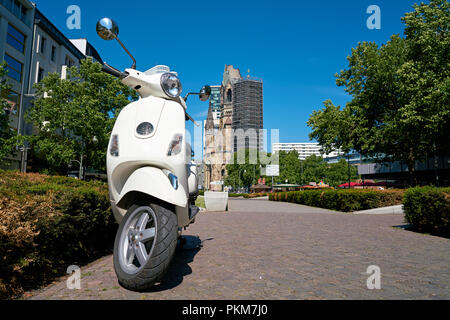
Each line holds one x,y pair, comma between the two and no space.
216,201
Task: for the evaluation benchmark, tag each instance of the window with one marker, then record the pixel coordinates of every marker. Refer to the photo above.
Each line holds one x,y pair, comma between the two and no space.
68,62
14,68
42,45
53,56
15,39
13,99
40,75
17,8
229,95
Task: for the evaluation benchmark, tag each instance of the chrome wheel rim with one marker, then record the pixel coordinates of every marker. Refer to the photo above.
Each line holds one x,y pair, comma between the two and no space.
137,240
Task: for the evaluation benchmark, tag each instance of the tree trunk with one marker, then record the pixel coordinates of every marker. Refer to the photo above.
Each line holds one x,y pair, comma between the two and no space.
412,169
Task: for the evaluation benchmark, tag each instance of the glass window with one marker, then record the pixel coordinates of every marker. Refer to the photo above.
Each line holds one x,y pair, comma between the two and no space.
69,62
40,75
8,4
53,57
42,46
14,68
14,101
16,8
15,38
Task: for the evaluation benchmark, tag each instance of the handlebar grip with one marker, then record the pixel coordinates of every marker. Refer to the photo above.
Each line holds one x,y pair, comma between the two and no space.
113,71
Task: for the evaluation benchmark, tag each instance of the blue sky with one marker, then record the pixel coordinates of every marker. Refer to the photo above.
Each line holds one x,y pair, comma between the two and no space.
296,47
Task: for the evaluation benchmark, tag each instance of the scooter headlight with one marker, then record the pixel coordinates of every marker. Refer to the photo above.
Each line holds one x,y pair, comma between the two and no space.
171,85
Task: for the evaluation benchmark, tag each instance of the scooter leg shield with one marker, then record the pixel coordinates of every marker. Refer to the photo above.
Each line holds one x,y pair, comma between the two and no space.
155,183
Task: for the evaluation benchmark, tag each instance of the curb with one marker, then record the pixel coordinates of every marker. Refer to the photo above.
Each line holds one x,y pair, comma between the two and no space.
386,210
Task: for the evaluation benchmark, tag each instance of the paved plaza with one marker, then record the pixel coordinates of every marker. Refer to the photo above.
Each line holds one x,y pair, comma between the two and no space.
270,250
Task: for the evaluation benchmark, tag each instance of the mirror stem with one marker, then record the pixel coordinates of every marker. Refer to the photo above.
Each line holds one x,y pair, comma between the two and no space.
190,94
128,52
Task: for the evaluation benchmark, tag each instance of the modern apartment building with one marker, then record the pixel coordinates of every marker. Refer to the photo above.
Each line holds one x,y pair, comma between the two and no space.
33,47
304,150
51,52
16,36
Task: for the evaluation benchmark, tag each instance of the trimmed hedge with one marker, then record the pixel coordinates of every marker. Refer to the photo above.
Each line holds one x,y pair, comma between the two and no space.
46,225
428,210
342,200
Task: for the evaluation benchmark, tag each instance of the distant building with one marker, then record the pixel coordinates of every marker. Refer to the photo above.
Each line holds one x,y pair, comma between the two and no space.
248,117
52,53
33,47
355,159
16,35
434,170
87,49
304,150
238,125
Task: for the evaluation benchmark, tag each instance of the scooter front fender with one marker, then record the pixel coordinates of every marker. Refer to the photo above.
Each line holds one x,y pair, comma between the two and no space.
154,182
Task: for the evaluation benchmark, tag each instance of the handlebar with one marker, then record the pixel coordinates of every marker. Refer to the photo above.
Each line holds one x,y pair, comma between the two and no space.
113,71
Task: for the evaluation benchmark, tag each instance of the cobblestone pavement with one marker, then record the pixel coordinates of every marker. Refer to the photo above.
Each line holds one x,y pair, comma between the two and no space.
266,250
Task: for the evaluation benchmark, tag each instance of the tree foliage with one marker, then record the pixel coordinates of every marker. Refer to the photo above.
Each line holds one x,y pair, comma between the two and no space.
74,117
242,175
7,138
293,170
400,105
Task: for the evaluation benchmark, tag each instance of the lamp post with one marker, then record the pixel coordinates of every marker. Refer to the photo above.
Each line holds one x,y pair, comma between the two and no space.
240,175
80,162
80,171
349,172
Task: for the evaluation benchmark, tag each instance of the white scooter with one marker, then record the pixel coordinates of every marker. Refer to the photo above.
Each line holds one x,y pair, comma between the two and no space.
152,182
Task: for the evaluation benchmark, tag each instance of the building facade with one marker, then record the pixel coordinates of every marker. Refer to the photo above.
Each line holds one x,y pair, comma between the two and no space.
304,150
248,123
16,36
238,126
51,52
33,47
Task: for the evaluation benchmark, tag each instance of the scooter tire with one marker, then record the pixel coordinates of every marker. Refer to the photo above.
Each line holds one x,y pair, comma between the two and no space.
164,246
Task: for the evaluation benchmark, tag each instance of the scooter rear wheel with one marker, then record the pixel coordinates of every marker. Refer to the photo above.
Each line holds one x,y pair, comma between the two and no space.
145,245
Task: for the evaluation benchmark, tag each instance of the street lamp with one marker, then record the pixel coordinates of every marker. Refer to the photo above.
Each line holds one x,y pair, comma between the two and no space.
240,175
80,171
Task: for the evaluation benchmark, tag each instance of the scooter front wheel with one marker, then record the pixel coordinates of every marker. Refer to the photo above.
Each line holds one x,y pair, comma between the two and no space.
145,245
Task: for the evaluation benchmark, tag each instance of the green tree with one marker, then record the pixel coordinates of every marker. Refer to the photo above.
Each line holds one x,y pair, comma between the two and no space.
337,173
242,175
290,168
400,103
75,116
7,138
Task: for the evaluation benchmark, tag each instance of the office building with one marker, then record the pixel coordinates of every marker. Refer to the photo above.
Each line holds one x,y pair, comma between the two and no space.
304,150
16,34
33,47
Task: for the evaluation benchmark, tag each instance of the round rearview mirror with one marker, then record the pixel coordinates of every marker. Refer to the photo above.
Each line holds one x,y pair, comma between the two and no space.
107,29
205,93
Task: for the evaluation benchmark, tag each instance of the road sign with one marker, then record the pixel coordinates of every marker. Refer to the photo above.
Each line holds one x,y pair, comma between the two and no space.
273,171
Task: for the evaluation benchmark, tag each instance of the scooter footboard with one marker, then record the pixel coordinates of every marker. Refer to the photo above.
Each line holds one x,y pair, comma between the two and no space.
153,182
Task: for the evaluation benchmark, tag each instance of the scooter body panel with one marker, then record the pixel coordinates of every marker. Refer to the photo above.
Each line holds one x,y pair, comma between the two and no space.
142,164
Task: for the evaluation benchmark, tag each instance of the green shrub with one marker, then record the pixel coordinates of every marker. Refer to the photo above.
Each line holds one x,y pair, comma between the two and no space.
428,210
341,200
48,224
